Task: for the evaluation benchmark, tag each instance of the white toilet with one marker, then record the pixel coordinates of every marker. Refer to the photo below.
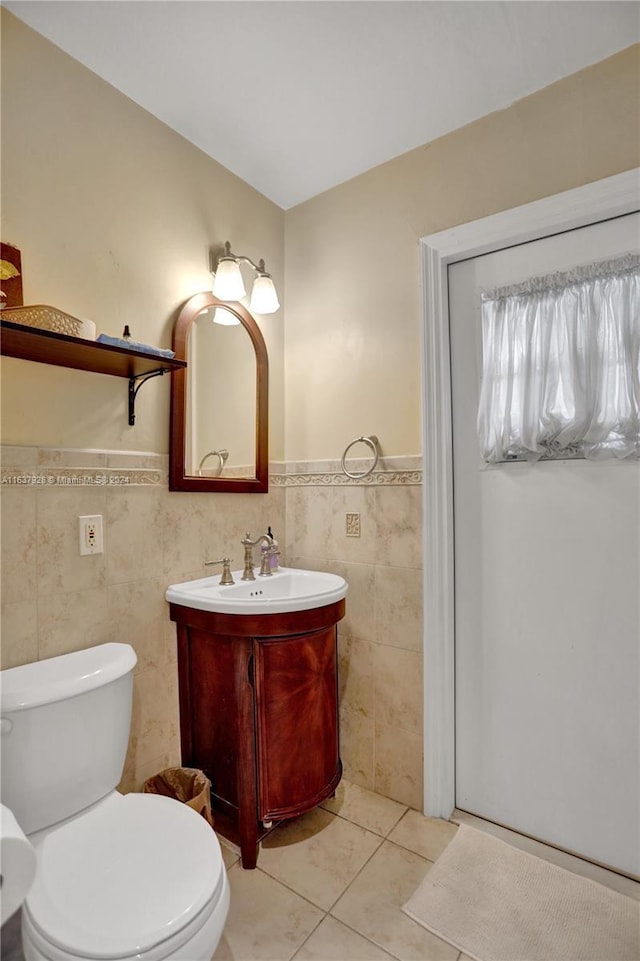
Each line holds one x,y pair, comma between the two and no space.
118,876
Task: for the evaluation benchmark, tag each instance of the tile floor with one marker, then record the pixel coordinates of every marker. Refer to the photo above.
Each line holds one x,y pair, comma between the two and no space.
330,886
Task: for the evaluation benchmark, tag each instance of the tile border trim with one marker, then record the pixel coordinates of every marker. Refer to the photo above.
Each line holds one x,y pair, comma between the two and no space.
65,467
396,478
400,471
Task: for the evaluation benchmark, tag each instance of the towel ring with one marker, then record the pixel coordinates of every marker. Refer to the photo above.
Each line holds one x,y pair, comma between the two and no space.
371,442
222,456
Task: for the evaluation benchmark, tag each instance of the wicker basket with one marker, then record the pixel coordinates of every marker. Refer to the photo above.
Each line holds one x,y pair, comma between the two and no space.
47,318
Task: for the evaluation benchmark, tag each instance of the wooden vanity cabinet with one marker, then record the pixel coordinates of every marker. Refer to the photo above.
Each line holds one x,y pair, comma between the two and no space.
259,714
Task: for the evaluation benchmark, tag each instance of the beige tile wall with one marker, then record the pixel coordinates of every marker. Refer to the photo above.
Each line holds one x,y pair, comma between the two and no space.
54,600
380,638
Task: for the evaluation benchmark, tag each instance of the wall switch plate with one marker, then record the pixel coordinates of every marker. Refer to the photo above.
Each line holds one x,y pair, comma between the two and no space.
90,529
353,524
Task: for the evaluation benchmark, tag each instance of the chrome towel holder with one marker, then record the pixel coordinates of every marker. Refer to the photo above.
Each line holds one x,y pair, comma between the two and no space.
372,442
222,455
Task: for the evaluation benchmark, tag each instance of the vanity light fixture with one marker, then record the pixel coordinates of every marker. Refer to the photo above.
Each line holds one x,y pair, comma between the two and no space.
228,283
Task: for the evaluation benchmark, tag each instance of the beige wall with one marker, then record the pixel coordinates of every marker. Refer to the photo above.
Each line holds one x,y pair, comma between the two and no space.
352,362
351,254
114,214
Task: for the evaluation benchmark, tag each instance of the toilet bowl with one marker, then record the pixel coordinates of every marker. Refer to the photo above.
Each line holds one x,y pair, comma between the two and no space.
118,876
138,876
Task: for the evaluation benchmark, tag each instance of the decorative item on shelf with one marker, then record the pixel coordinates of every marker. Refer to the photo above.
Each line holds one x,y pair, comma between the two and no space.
10,276
50,318
128,344
374,444
229,285
274,552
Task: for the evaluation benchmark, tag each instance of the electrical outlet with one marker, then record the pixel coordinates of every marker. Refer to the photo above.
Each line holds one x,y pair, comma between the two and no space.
90,528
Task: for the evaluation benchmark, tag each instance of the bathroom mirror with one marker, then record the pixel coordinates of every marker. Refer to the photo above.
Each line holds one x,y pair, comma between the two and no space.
219,402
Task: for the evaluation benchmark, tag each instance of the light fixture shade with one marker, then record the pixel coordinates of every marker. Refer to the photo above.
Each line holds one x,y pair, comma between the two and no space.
227,283
225,318
264,299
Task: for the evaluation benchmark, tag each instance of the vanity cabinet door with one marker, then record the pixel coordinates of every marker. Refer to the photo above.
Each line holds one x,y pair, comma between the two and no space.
296,681
210,711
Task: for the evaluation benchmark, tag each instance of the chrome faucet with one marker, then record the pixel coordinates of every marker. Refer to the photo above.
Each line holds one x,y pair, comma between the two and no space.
248,544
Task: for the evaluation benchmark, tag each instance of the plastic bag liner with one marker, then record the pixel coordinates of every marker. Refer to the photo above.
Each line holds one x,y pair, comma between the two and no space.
186,784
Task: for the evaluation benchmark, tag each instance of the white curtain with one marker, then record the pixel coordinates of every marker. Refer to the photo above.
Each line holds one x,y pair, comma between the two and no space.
561,365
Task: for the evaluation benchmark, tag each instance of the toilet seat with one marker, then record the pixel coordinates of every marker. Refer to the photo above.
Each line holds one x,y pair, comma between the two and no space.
113,883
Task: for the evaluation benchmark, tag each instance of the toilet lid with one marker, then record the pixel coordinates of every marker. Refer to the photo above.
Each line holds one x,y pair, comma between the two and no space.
123,878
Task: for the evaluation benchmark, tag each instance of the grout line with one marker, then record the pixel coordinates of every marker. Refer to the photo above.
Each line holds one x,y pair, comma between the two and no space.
313,931
283,884
375,944
359,871
384,837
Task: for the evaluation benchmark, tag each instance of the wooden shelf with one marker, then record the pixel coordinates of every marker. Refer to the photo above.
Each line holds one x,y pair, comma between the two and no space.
48,347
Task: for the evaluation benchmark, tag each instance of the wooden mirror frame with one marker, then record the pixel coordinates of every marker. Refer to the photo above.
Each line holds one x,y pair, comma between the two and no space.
179,480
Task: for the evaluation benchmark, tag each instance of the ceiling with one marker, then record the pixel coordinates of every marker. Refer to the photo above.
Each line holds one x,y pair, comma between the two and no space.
296,96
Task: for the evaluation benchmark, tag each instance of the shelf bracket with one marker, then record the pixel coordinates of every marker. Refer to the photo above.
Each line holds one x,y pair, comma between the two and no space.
134,388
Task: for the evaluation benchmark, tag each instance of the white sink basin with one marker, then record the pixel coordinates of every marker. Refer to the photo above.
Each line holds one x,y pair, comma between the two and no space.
287,589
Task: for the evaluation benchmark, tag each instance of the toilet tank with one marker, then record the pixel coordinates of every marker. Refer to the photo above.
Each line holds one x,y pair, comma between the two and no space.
65,729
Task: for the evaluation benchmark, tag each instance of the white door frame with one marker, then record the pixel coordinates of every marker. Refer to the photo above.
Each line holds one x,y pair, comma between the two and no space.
601,200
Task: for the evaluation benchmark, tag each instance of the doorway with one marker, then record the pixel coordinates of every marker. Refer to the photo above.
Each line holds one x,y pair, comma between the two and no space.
546,601
612,197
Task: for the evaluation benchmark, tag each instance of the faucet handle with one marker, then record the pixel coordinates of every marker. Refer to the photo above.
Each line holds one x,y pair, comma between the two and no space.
227,577
265,567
